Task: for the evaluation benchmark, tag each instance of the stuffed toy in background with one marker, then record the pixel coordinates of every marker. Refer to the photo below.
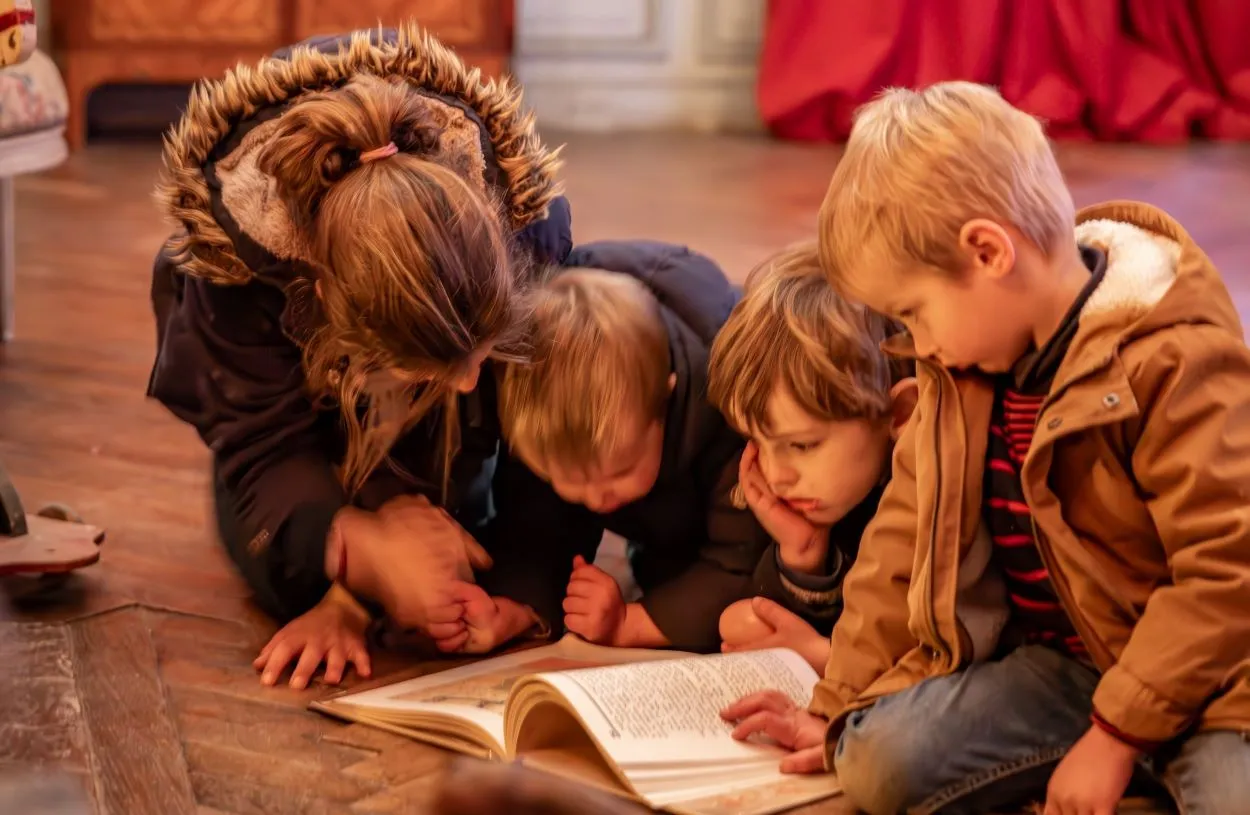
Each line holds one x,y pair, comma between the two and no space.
17,31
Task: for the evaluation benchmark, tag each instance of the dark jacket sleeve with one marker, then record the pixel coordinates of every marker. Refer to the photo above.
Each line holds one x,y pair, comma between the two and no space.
817,598
688,283
550,241
225,367
533,539
687,609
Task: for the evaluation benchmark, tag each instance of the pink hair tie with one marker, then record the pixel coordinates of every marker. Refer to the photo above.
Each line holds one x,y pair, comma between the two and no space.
382,152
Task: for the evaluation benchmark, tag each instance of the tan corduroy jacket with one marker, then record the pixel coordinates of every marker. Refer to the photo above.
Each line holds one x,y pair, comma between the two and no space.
1139,483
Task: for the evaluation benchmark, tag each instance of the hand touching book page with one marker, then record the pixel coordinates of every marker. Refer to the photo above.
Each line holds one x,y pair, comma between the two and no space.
644,724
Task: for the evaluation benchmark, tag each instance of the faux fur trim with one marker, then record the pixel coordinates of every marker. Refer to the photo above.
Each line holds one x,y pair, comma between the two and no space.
1141,266
202,248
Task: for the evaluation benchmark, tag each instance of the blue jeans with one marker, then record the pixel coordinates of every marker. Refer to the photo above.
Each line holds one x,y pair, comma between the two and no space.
990,737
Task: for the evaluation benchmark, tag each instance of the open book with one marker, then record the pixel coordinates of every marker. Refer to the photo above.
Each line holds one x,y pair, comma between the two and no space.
639,723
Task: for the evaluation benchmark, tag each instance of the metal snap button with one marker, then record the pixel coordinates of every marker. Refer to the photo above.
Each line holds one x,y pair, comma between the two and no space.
1111,400
1054,423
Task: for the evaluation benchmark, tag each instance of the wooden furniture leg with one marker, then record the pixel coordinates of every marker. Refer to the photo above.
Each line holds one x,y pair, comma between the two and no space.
77,90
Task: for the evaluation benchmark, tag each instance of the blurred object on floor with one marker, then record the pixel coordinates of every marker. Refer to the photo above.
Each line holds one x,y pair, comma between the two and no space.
1163,71
488,788
102,42
43,793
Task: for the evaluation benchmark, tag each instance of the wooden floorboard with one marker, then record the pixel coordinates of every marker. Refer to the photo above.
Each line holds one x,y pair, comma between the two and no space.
135,681
135,747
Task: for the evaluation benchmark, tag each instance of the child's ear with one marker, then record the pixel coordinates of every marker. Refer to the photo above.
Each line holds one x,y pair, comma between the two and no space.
672,382
903,398
987,247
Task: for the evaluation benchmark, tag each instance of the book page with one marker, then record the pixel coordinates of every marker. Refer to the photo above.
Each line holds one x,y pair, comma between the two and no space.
668,712
476,693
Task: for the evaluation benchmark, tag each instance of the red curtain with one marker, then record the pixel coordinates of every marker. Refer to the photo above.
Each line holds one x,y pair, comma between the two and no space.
1140,70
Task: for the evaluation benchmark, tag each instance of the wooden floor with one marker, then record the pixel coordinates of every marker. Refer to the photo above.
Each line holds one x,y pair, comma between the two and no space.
138,683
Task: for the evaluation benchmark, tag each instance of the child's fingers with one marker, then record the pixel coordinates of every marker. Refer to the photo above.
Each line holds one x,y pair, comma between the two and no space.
578,605
479,558
771,612
811,760
442,631
358,654
582,587
307,665
464,593
755,486
445,614
750,455
769,700
451,644
336,664
265,652
579,624
592,577
278,659
777,727
579,562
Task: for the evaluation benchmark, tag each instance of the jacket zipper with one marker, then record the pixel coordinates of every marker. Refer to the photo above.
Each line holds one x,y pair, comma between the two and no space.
1056,578
929,614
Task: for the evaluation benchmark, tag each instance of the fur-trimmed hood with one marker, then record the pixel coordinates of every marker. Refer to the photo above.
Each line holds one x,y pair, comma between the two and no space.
229,231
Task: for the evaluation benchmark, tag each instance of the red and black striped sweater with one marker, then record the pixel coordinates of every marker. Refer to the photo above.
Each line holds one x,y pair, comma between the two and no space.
1037,616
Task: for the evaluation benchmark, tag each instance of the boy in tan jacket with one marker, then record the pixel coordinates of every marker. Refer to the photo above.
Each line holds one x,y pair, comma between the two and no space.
1055,591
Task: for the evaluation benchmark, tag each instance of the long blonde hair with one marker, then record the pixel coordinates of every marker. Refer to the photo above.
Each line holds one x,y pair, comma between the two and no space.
412,265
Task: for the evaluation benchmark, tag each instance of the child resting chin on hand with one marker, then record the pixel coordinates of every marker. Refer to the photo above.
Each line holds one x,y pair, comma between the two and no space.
799,370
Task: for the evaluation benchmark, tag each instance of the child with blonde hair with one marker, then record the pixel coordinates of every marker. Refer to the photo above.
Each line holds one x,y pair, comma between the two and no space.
608,429
799,371
357,219
1054,592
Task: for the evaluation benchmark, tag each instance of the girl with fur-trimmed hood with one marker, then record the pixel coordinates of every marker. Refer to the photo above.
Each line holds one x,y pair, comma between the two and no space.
357,218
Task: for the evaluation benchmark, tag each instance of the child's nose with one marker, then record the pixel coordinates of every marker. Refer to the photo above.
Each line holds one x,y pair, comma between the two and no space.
467,381
924,347
778,476
597,500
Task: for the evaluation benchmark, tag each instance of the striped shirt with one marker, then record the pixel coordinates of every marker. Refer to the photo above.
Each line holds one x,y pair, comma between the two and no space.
1037,616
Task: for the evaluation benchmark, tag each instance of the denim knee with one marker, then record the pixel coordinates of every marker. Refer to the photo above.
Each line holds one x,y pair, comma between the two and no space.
878,762
1211,776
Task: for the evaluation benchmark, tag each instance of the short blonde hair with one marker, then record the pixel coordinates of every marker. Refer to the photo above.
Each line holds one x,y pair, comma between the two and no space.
600,363
792,330
918,165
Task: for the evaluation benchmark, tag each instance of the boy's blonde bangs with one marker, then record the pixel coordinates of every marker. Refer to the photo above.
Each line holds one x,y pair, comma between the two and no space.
793,330
920,164
599,371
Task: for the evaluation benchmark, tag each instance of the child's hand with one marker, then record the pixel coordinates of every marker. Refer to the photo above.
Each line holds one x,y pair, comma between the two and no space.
1092,777
333,631
593,608
405,556
488,622
759,623
774,714
803,546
